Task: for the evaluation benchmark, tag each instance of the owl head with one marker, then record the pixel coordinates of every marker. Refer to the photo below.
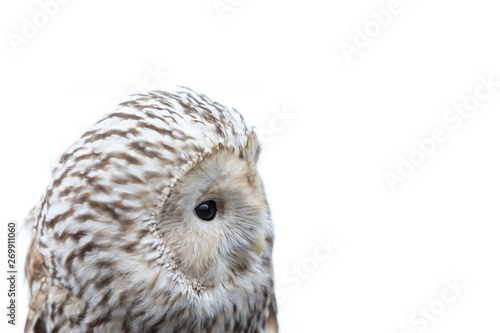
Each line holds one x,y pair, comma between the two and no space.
161,199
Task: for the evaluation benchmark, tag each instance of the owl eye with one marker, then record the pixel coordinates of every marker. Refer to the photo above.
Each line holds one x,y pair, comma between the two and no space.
206,210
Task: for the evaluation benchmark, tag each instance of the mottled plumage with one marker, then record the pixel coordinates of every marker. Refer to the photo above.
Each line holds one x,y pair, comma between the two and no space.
118,246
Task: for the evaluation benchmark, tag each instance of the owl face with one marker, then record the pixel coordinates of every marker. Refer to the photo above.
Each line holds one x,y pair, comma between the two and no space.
216,218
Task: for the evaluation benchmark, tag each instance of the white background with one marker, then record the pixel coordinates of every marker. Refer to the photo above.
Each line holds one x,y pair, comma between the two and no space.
324,168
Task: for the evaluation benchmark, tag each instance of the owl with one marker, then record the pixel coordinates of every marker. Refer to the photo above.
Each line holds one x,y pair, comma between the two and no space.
155,220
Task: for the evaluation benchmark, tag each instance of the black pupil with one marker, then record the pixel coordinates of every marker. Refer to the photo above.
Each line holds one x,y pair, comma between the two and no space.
206,210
